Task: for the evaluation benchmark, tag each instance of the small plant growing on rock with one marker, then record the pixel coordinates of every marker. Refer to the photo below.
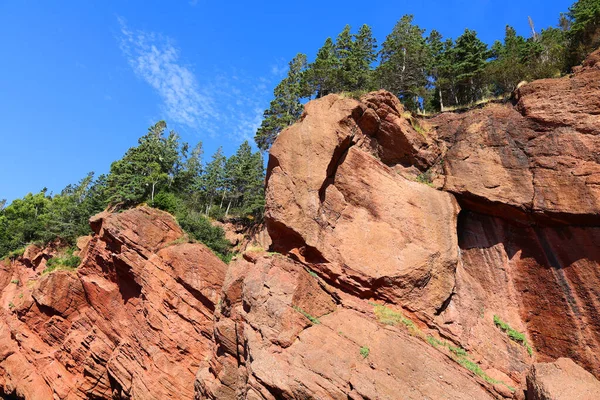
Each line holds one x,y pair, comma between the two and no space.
312,273
387,316
513,334
11,305
15,281
364,352
314,320
67,261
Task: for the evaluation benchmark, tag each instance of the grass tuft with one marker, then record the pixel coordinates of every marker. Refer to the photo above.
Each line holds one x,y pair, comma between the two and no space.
513,334
314,320
364,352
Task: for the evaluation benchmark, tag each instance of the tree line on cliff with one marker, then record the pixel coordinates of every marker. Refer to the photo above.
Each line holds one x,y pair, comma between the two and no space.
427,72
160,171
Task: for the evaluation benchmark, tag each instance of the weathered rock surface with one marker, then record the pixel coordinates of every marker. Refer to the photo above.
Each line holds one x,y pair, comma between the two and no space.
561,380
358,222
395,247
525,156
134,321
268,348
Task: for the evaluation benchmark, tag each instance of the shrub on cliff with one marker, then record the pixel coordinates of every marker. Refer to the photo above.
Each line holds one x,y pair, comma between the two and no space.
199,228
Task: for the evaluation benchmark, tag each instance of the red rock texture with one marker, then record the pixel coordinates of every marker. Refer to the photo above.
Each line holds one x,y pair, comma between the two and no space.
267,347
134,321
561,380
451,222
525,156
332,204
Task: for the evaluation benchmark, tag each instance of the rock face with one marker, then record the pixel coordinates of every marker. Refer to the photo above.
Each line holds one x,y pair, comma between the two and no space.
283,333
450,258
134,321
332,204
562,379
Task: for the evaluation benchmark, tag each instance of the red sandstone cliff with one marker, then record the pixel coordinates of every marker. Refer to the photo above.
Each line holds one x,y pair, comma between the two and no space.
399,249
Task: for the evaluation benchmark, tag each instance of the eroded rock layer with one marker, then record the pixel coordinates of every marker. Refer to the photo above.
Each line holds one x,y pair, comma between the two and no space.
134,321
455,257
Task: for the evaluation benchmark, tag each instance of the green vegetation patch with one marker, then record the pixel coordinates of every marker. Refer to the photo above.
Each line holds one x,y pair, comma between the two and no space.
513,334
387,316
67,262
364,351
314,320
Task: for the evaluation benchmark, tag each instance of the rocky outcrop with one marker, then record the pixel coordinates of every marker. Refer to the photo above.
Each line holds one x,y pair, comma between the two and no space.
509,161
283,333
334,205
134,321
454,257
561,380
499,260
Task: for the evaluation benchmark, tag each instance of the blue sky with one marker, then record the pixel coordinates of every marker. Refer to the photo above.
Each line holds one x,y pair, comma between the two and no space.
80,81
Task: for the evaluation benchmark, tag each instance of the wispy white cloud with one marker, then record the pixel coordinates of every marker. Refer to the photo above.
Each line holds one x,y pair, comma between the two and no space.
156,60
225,103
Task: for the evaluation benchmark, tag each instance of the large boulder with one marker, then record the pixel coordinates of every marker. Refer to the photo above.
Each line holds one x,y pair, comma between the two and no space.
561,380
333,204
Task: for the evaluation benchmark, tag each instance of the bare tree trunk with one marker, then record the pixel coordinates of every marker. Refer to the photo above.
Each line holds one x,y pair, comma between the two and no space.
153,185
227,211
441,100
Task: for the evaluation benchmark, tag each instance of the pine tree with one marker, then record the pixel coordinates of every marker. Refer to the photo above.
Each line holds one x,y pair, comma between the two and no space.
245,181
286,108
508,67
584,32
363,55
470,56
146,168
404,61
213,179
321,75
343,51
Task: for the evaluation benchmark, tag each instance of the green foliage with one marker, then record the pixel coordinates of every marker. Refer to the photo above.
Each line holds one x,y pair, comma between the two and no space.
15,281
145,169
364,351
513,334
405,57
199,228
11,305
66,261
425,178
430,73
285,109
167,201
387,316
313,320
583,21
312,273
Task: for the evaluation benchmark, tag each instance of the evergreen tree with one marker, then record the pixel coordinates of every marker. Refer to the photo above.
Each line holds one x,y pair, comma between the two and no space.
404,61
362,56
213,180
321,75
245,177
470,55
146,168
584,30
508,67
286,108
546,56
343,51
435,70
